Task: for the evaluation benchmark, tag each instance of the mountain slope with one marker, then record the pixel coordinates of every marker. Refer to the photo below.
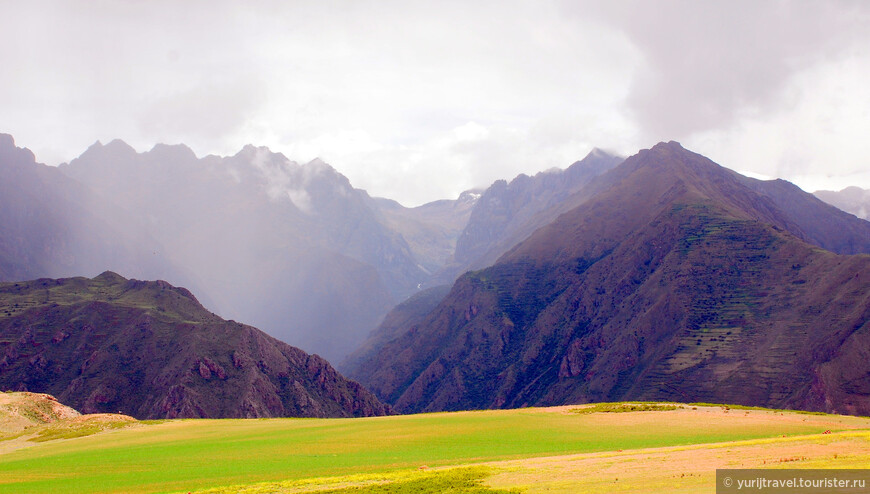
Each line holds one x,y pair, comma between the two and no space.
817,222
674,280
150,350
395,323
50,227
275,243
432,229
506,213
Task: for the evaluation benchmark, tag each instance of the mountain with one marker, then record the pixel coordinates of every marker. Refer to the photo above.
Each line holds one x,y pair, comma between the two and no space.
50,227
150,350
508,212
291,248
853,200
492,222
432,229
814,220
394,324
672,279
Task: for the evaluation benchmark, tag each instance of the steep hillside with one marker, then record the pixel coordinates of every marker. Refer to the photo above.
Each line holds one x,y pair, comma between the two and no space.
816,221
853,200
394,324
673,280
150,350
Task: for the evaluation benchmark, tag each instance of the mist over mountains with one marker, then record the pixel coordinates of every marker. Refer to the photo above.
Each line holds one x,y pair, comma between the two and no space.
54,226
290,248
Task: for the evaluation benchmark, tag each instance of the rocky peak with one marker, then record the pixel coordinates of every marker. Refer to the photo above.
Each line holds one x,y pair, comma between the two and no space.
11,153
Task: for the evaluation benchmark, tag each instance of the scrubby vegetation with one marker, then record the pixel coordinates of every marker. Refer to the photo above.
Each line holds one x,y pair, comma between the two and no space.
626,407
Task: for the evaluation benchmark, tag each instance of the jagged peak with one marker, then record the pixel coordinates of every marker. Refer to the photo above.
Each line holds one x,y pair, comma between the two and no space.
471,195
9,149
118,144
670,145
116,149
319,164
262,154
672,155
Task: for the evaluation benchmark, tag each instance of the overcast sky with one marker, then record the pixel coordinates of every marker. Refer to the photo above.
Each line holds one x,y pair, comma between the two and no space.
418,101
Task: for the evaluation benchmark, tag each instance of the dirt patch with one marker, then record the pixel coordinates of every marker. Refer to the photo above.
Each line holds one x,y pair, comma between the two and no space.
719,413
30,418
679,469
22,410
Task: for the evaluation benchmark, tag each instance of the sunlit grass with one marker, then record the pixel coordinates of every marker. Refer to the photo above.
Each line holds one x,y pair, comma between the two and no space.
189,455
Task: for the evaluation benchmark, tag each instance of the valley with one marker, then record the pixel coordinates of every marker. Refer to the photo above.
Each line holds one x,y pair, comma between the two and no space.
533,450
523,315
518,247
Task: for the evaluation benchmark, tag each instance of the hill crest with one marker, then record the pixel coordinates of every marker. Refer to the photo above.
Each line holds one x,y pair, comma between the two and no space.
149,349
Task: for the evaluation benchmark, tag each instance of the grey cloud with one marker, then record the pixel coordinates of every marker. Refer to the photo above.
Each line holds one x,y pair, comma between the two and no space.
205,114
377,88
705,62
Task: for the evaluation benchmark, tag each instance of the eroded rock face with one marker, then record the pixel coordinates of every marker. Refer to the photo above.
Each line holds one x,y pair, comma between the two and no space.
149,350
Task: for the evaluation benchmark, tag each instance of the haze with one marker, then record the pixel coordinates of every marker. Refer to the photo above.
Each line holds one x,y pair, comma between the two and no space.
420,102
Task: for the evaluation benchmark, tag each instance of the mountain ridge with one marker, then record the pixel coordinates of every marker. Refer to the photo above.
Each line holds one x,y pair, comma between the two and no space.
150,350
275,243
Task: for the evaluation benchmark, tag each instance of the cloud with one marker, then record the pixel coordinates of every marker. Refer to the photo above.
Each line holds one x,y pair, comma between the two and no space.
706,62
814,134
418,101
203,115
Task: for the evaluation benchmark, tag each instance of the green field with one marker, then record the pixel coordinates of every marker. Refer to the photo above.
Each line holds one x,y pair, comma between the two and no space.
190,455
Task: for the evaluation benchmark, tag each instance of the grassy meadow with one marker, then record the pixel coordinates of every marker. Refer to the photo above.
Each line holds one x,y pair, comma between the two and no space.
498,451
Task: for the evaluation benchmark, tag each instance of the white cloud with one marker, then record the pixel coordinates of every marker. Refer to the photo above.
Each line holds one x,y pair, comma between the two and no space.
815,135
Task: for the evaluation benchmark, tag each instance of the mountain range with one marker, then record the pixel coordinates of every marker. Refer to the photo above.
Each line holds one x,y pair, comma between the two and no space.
672,278
290,248
660,276
51,226
150,350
